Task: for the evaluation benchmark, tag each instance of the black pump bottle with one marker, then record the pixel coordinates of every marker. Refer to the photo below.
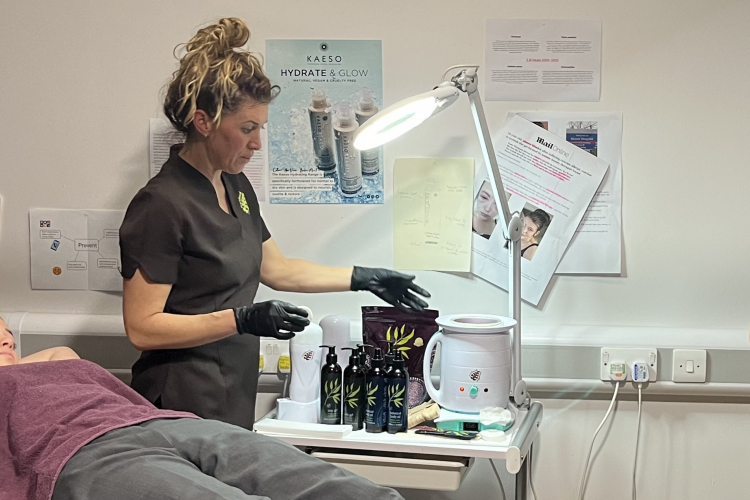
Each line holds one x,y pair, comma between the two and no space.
389,357
330,389
398,396
364,360
376,413
354,392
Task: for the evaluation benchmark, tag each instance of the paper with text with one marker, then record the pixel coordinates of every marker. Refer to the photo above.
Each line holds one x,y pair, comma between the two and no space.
75,249
162,136
550,183
596,247
543,60
432,213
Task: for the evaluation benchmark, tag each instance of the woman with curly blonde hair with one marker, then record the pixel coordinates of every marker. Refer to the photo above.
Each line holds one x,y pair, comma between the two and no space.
195,248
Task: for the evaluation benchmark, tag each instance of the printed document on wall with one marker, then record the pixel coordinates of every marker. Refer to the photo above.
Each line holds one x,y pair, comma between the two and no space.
543,60
75,249
432,213
328,89
596,247
162,136
550,182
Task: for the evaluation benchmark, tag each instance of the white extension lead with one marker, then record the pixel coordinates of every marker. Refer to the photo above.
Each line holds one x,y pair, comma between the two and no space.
593,440
637,433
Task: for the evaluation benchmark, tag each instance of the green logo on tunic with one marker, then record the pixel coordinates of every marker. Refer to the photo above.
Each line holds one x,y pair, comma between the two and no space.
243,203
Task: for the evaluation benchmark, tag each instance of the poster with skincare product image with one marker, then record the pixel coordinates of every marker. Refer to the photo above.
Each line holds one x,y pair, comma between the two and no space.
328,88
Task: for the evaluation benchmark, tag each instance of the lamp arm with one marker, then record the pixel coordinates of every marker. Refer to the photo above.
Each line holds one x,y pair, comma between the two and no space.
512,228
488,151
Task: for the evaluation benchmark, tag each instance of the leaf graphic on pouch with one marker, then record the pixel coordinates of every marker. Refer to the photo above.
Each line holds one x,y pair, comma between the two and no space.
404,340
403,351
388,334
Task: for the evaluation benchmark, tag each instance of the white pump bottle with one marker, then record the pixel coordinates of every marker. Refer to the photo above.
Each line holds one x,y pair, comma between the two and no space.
336,332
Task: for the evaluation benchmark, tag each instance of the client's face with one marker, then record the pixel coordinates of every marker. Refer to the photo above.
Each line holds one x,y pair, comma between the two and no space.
8,354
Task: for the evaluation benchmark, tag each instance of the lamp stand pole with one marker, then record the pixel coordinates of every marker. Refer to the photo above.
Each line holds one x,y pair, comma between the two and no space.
467,81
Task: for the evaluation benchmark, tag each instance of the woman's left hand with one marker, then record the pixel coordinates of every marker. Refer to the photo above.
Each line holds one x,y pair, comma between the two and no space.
393,287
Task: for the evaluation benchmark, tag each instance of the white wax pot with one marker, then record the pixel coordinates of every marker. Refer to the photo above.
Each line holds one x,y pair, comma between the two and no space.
475,360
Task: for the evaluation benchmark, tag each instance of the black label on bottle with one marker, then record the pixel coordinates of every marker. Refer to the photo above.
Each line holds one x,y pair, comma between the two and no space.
376,409
398,404
330,394
354,403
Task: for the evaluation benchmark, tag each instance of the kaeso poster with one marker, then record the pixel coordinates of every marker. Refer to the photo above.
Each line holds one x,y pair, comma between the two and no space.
328,89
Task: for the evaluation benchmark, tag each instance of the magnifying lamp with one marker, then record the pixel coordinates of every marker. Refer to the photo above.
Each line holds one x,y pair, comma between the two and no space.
403,116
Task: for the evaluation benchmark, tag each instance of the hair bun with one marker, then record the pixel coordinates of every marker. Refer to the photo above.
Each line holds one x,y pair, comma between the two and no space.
232,33
218,39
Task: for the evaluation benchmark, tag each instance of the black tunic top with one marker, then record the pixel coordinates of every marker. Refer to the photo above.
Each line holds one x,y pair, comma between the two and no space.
176,233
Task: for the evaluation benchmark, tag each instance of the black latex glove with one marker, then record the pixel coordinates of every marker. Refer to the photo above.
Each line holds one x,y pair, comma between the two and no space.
393,287
273,318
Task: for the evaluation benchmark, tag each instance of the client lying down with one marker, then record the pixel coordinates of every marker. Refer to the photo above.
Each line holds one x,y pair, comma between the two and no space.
74,431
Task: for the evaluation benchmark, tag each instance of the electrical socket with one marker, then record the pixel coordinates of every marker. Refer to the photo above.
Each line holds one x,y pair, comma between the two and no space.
629,356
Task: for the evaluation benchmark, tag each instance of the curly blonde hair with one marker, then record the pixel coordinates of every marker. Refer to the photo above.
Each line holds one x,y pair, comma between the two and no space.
216,75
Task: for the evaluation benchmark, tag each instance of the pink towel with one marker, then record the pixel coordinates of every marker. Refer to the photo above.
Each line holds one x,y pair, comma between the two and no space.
49,410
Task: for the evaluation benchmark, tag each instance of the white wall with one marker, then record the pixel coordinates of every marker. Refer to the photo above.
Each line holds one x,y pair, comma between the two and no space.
80,79
687,451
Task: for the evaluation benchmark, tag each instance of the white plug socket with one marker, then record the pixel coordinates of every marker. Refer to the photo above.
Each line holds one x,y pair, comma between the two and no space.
630,356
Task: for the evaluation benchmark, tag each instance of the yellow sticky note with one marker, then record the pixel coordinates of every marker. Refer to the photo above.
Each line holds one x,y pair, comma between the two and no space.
432,210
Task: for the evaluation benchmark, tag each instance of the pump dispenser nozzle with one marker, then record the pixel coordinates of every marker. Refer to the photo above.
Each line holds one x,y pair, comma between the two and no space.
363,354
377,358
389,356
331,357
353,357
398,359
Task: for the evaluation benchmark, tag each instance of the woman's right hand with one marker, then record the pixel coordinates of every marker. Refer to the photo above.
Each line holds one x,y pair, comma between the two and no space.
273,318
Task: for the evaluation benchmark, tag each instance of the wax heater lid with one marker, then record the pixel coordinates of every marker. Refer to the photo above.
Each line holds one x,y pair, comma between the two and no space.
475,323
